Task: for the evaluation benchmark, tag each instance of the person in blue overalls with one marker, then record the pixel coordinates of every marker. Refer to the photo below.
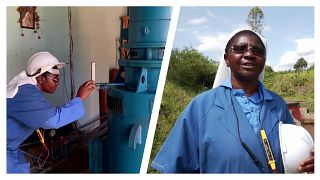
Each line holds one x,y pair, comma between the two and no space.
28,109
222,130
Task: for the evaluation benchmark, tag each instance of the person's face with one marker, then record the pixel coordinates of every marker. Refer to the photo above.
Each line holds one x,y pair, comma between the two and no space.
245,57
49,83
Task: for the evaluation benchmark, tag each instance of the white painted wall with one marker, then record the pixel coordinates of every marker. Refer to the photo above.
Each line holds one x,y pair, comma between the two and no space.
95,30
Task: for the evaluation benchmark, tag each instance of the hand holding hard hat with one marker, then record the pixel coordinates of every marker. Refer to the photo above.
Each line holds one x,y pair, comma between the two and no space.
296,148
308,164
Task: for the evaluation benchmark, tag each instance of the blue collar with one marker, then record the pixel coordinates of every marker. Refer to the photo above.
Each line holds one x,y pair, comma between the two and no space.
263,92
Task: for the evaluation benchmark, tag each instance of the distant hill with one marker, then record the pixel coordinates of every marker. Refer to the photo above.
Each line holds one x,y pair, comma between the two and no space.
293,86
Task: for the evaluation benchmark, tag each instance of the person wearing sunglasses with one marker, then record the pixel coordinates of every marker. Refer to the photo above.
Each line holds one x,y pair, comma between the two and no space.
28,109
232,128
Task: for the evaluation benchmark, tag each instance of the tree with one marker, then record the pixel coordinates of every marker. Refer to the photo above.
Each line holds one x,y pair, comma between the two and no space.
311,67
268,69
255,19
301,64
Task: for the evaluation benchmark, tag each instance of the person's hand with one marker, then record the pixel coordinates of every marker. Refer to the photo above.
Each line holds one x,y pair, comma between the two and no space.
85,89
308,164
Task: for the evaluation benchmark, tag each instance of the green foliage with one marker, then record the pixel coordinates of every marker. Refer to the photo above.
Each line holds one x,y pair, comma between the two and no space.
191,69
301,64
255,19
269,75
293,86
174,100
268,69
311,67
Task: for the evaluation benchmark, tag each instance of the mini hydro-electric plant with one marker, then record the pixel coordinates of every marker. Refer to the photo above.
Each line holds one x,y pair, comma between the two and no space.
130,98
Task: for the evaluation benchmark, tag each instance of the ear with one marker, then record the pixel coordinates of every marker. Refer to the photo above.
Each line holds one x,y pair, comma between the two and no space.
40,79
225,56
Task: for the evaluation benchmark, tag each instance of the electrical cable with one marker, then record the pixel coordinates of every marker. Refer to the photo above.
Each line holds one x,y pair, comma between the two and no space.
75,124
71,52
41,137
64,83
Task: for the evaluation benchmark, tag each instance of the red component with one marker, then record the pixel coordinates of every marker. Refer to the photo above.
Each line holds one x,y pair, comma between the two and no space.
103,93
294,107
113,74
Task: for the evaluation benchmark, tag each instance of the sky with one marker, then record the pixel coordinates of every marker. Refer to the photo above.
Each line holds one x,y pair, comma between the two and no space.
289,32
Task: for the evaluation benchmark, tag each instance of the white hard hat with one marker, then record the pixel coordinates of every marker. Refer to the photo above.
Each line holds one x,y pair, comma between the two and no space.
42,62
296,144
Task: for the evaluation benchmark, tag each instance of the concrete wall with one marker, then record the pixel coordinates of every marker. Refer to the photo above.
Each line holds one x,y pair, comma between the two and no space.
54,38
94,30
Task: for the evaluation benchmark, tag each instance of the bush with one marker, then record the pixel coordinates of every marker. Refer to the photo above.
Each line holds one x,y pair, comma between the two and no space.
191,69
174,100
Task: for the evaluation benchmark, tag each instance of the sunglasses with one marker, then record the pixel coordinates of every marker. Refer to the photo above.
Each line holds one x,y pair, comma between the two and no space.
241,49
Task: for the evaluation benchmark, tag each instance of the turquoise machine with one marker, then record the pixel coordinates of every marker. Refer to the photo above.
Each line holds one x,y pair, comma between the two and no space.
130,105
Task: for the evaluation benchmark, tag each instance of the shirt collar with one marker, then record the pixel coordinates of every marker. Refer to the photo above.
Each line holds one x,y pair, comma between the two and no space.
262,89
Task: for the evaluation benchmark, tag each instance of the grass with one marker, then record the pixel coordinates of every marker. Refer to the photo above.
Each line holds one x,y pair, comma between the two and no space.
174,100
294,87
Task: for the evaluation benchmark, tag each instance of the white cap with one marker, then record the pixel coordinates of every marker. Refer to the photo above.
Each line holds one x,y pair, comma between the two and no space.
296,144
42,62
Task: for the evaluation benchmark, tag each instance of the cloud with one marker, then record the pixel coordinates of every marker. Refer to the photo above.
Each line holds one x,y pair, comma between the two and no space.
210,14
266,28
240,26
268,63
304,48
181,29
197,21
215,42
